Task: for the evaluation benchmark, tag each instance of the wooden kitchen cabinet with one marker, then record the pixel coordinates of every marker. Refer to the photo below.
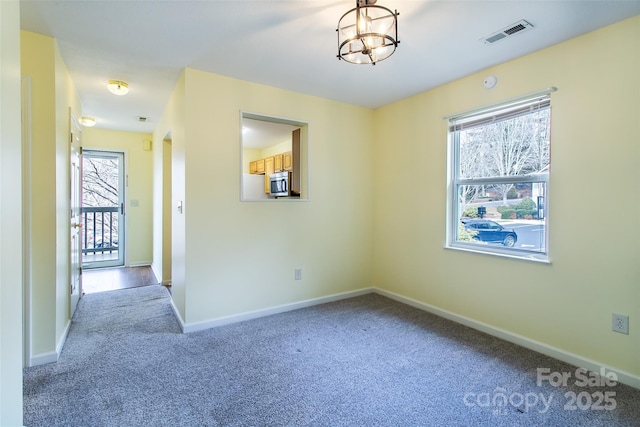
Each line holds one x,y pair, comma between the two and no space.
260,166
287,162
277,163
269,168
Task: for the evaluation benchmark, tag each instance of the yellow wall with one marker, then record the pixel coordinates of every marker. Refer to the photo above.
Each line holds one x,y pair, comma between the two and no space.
139,169
248,156
241,256
52,95
280,148
10,218
38,62
67,102
593,202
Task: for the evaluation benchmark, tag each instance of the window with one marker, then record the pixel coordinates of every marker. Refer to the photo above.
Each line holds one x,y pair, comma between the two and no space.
499,161
274,158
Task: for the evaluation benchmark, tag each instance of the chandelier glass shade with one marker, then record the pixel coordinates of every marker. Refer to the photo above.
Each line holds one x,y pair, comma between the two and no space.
367,34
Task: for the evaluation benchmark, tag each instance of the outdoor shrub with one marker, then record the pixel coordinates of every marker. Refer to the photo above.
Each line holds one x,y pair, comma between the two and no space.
512,193
470,212
507,213
527,204
464,234
523,213
526,208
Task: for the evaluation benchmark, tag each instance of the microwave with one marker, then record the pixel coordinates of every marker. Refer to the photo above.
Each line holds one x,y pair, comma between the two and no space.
279,184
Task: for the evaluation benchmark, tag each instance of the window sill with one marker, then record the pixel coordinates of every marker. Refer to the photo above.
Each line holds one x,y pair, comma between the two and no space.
504,253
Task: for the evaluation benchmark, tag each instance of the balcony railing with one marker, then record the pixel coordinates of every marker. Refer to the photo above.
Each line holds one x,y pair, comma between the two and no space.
99,230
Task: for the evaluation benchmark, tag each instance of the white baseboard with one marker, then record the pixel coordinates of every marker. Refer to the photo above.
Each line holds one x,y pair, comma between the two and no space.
176,312
139,264
51,356
571,358
63,338
574,359
156,274
199,326
44,358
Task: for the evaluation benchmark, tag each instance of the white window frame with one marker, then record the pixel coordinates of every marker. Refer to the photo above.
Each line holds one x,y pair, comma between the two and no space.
454,180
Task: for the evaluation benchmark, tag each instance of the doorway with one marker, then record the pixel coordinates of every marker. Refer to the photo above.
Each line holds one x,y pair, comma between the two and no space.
103,209
166,210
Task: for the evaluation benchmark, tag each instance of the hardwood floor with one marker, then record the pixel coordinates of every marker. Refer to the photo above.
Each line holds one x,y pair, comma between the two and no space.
108,279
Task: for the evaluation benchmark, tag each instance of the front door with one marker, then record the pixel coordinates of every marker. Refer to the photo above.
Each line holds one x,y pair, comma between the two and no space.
103,208
76,216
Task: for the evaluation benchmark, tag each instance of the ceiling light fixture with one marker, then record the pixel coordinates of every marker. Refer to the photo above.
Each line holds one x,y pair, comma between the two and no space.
368,33
117,87
87,121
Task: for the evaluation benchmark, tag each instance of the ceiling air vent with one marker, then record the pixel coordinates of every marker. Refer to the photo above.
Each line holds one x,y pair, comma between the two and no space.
509,31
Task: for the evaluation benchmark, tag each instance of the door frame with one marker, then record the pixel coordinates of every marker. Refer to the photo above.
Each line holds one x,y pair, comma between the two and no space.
75,213
27,144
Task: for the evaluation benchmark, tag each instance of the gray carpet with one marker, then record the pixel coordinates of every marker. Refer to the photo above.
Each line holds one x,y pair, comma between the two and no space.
365,361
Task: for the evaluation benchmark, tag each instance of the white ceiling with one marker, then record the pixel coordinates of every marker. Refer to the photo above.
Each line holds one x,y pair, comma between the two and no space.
262,134
288,44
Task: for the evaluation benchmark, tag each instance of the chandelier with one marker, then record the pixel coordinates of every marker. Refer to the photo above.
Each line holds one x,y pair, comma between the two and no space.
368,33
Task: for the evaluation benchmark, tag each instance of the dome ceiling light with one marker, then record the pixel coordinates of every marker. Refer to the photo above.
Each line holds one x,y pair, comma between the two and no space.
118,87
87,121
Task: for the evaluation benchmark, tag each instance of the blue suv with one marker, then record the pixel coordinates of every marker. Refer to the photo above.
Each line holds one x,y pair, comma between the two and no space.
491,232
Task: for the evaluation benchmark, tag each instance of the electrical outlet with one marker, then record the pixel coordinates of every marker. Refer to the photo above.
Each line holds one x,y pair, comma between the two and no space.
298,273
620,323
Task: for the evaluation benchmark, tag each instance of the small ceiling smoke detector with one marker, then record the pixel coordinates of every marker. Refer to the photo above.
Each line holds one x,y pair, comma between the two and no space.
490,82
513,29
142,119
